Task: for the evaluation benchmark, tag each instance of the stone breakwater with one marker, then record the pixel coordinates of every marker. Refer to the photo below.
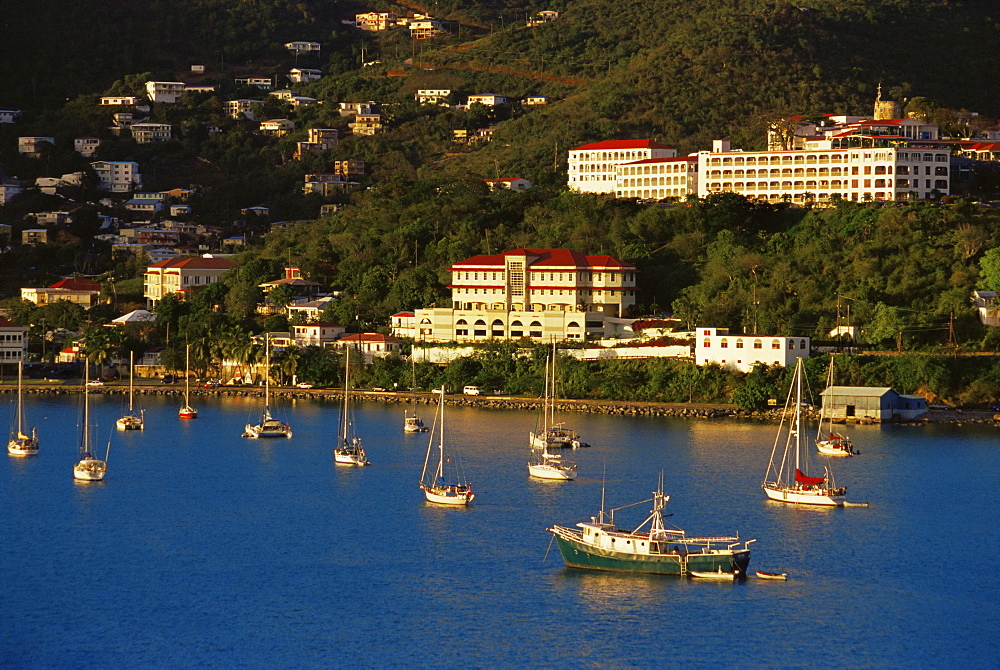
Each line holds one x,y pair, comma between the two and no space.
613,407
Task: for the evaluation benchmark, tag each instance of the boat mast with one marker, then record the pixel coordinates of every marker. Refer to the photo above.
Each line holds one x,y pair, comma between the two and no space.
20,405
267,372
86,406
440,468
347,376
798,410
131,360
187,375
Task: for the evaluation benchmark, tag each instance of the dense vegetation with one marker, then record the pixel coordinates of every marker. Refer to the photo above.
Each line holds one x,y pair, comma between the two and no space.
681,73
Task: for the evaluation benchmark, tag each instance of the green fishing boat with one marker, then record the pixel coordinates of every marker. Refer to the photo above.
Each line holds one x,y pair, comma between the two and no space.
651,548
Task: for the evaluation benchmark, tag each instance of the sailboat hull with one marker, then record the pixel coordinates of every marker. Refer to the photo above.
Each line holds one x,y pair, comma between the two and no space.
552,471
129,423
267,429
187,413
821,497
90,470
448,495
835,447
579,554
341,457
25,447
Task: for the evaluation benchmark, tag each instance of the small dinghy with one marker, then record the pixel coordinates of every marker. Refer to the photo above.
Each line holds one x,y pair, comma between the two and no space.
718,574
772,575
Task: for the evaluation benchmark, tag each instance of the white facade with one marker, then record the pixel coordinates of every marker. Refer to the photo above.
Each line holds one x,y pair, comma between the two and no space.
277,127
818,175
166,92
432,96
300,47
657,178
304,75
13,341
531,293
119,100
181,276
718,345
259,82
242,108
316,334
9,115
32,146
508,183
593,167
375,21
144,133
117,176
487,99
425,28
402,324
86,146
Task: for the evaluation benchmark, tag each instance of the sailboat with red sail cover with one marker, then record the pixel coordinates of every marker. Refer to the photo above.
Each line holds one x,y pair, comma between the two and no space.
787,479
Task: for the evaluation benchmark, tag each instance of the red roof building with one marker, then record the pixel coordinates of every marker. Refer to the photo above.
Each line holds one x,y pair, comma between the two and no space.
180,276
592,167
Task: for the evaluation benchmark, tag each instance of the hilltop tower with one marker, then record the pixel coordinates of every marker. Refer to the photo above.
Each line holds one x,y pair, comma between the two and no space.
886,110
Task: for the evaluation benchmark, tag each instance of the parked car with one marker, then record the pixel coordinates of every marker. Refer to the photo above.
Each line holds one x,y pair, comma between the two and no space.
438,390
304,385
471,390
378,389
168,379
95,382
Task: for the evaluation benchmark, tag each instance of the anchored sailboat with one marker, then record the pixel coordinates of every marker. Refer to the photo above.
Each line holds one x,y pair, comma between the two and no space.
553,435
22,444
268,425
438,488
830,442
547,465
187,411
411,421
786,479
131,420
348,450
89,468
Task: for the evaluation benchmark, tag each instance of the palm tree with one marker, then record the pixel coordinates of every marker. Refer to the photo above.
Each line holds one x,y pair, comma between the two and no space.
289,362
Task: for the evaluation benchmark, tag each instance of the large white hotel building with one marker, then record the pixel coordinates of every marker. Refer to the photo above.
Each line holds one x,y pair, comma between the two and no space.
542,294
593,167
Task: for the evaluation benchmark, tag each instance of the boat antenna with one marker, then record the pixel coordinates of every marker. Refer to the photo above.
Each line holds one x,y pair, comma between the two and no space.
604,476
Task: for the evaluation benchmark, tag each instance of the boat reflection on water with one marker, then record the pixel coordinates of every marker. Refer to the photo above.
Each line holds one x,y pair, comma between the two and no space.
617,592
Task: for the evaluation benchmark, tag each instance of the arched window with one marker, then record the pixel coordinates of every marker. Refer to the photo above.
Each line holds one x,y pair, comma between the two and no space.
739,344
724,343
535,329
480,329
777,344
497,328
757,344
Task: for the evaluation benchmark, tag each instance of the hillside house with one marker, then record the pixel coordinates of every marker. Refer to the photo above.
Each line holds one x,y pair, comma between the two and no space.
403,324
536,100
86,146
34,236
985,303
277,127
317,334
425,29
487,99
375,21
13,341
117,176
304,75
508,183
165,92
146,132
119,101
542,17
432,96
263,83
181,276
743,352
366,124
9,115
33,146
242,108
299,47
371,345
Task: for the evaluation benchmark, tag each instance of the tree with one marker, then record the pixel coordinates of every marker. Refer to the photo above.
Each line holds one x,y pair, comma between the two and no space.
989,267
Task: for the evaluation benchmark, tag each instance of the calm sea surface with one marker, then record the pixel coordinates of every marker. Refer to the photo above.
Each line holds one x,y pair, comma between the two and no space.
204,549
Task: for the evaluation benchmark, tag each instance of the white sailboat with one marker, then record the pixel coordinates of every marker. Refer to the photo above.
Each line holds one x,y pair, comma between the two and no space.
438,488
554,435
787,479
830,442
411,420
268,425
349,450
21,444
131,420
187,411
547,465
89,468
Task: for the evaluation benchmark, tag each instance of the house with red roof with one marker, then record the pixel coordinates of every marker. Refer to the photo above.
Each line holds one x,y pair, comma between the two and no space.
372,345
79,290
182,275
592,167
540,294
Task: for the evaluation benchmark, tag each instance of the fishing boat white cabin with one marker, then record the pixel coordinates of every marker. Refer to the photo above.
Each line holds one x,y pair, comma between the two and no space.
349,450
786,479
651,548
89,468
268,426
21,443
443,485
187,411
131,420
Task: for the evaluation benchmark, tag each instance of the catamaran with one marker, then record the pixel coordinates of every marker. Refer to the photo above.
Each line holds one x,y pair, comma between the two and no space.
786,479
22,444
547,465
268,425
553,435
828,441
187,411
131,420
348,450
89,468
651,548
437,488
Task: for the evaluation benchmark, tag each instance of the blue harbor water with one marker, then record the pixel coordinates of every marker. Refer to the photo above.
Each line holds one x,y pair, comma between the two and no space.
204,549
